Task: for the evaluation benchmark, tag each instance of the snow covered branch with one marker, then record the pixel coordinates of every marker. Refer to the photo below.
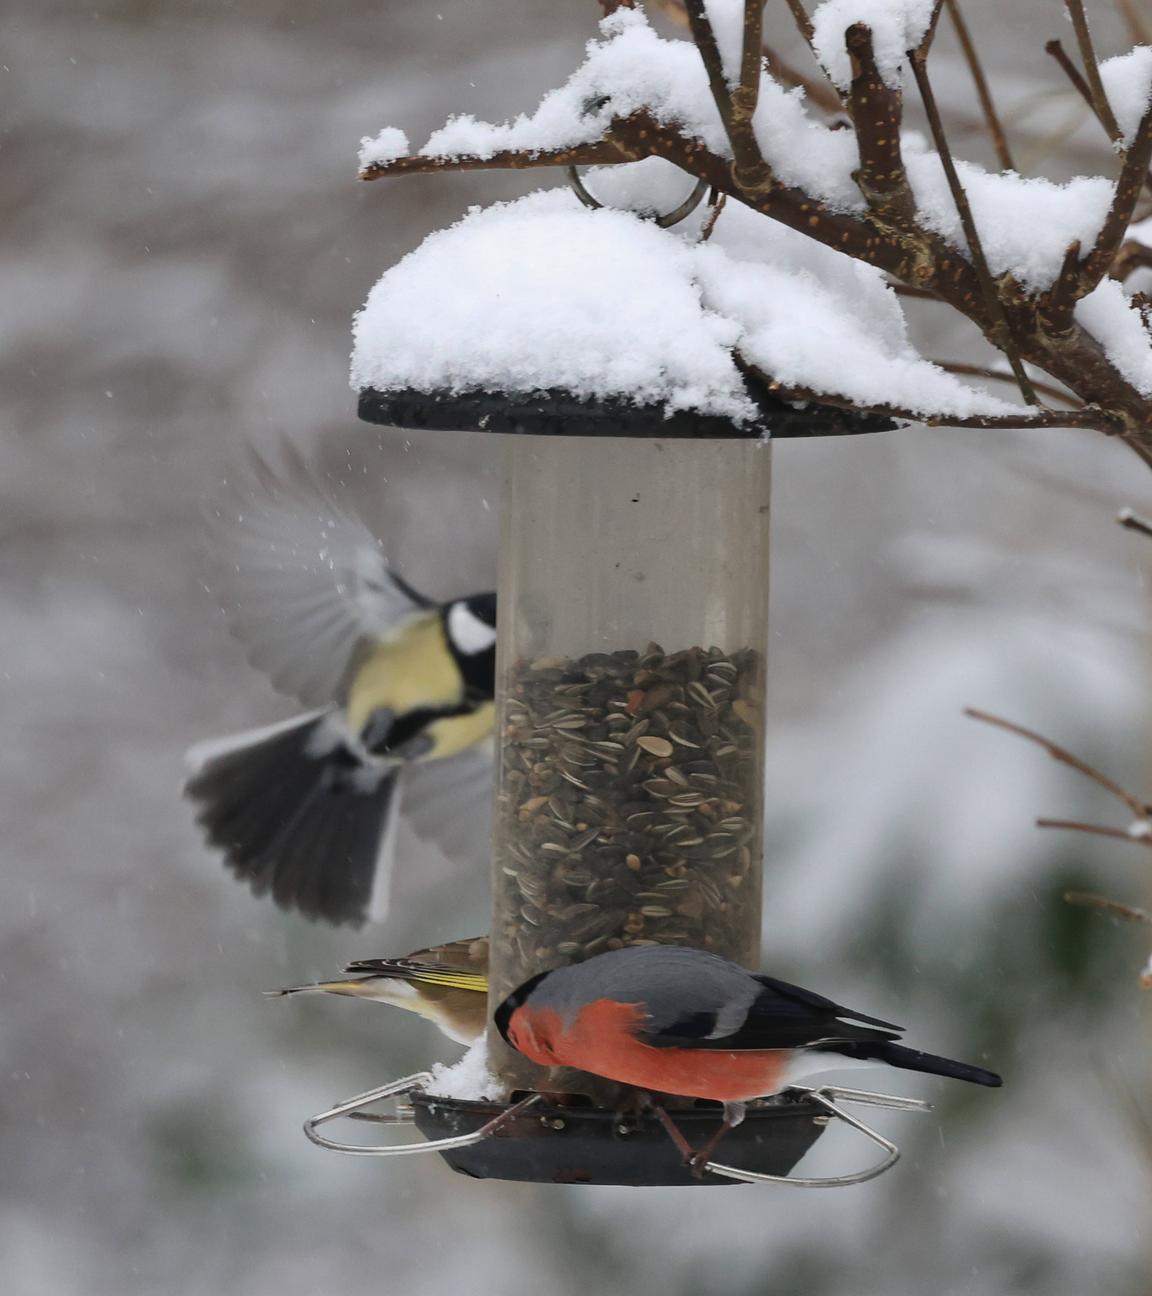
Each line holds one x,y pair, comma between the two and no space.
1005,251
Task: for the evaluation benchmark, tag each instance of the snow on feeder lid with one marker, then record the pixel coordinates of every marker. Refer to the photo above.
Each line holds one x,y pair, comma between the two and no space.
548,316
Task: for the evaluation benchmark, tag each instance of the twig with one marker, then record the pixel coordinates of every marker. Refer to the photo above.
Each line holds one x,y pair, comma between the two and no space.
876,112
751,171
1131,257
1096,830
999,331
980,371
1092,69
929,36
1139,32
1086,900
1088,417
921,294
1083,89
1056,308
803,22
825,96
820,93
1144,454
603,152
1133,175
712,217
1056,49
748,166
1134,522
983,93
1065,757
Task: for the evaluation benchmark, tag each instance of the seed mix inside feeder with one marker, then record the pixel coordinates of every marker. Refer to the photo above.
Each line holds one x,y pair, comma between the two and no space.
633,627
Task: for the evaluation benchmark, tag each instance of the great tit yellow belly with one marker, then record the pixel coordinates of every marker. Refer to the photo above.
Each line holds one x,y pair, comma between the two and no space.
447,985
401,690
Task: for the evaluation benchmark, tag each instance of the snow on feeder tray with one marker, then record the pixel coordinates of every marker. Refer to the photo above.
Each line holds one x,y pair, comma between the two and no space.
633,598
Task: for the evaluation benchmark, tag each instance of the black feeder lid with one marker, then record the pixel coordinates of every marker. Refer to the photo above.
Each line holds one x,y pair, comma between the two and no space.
559,413
589,1145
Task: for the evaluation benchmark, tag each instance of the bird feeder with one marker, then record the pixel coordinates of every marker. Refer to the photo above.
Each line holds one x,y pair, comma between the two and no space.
633,631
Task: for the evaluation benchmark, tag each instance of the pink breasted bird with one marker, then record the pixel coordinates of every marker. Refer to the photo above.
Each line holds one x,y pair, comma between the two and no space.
666,1019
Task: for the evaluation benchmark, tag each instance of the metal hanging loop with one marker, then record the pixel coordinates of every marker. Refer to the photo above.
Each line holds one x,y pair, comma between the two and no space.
399,1089
826,1099
674,217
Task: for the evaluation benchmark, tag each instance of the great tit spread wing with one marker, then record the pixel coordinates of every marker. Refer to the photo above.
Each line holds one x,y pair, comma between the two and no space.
449,802
303,580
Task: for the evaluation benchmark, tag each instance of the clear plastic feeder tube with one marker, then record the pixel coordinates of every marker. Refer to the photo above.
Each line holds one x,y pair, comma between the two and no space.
630,702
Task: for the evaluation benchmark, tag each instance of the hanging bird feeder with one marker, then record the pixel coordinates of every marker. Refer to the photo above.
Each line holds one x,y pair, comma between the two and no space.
633,627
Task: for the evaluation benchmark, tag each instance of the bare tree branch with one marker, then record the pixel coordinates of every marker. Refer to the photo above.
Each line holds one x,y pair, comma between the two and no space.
602,152
981,371
1131,257
1095,830
1099,99
1138,30
712,217
1056,308
1131,180
751,170
1087,417
1113,908
818,92
748,166
876,111
1134,522
1000,332
983,93
1056,49
1065,757
1039,330
803,22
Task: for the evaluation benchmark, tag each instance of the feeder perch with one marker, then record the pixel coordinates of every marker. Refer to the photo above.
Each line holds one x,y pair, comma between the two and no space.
633,595
539,1142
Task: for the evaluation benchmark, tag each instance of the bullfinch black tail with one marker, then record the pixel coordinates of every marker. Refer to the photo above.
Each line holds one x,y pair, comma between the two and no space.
296,818
909,1059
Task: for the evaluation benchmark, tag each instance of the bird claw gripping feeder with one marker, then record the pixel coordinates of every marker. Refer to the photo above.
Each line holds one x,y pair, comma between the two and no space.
633,626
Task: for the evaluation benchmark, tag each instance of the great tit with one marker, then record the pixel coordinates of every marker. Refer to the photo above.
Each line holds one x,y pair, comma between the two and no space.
400,690
667,1019
446,984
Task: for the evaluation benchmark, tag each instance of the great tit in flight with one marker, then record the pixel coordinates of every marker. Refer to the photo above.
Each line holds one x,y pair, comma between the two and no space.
399,690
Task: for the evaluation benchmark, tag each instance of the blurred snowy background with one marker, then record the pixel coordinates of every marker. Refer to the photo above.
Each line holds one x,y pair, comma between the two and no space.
184,245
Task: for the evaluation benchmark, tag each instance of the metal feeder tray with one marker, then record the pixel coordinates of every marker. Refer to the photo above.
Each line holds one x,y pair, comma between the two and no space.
559,413
534,1141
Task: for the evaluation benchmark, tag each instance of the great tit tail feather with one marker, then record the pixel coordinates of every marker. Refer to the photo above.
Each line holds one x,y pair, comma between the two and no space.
293,822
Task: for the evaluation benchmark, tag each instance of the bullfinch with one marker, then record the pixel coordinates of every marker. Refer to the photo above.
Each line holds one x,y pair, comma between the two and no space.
666,1019
447,985
399,690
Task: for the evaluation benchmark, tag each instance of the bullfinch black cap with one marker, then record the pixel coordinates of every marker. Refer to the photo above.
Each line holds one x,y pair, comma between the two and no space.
503,1014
